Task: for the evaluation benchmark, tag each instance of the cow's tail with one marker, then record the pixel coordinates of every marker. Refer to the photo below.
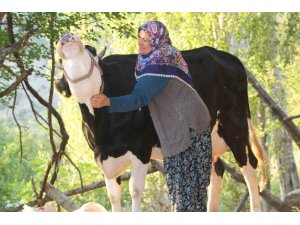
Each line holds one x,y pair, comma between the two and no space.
259,153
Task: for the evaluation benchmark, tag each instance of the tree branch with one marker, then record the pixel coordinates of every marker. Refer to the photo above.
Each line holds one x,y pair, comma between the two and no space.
292,117
50,100
35,113
293,198
275,202
14,85
158,165
15,46
19,126
56,157
242,202
63,131
234,174
43,187
63,143
68,157
34,188
61,198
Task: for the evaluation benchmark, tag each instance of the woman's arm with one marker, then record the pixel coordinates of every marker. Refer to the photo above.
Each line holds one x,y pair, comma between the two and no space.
144,91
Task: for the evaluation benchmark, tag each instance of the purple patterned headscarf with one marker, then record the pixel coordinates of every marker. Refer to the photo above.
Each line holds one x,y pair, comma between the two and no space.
164,60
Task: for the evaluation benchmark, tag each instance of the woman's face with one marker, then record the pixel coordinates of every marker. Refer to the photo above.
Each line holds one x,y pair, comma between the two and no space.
144,43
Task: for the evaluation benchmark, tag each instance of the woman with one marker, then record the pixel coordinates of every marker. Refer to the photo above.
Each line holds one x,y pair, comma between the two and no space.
180,117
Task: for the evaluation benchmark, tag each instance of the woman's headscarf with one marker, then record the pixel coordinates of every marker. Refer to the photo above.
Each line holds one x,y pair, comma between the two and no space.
164,60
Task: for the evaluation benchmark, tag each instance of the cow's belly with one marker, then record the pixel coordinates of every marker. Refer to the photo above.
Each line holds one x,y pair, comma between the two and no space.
219,146
113,167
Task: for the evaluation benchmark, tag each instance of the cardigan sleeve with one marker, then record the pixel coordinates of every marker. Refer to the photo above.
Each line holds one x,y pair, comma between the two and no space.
144,91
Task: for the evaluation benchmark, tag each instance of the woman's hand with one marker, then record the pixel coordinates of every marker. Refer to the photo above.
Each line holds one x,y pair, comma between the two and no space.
100,100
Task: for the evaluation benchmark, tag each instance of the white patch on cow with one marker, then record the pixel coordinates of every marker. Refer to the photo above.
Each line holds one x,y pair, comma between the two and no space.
219,146
113,167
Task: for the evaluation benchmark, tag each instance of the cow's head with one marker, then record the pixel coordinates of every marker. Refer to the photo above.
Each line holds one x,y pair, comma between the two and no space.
69,45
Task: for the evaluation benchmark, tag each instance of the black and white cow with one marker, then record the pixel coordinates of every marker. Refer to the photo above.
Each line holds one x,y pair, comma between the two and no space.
120,139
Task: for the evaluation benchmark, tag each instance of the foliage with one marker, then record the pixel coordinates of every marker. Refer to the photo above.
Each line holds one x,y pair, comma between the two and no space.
16,175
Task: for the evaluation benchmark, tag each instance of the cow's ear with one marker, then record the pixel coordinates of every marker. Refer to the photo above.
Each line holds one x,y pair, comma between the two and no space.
59,50
81,46
91,49
63,87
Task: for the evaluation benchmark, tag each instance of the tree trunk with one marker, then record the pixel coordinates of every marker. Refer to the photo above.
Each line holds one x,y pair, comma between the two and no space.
288,174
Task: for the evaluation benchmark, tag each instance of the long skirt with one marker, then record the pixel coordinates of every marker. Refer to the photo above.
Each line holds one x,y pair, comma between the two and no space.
188,174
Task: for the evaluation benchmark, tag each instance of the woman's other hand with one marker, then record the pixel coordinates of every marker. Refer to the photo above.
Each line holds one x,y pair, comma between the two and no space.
100,100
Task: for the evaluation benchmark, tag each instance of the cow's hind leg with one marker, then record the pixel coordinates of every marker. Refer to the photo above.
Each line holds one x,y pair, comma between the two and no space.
114,193
219,147
250,175
137,183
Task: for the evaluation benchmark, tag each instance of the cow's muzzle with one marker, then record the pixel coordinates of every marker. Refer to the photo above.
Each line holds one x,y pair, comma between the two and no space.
67,37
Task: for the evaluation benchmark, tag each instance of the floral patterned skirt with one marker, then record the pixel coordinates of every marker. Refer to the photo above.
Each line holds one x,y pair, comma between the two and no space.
188,174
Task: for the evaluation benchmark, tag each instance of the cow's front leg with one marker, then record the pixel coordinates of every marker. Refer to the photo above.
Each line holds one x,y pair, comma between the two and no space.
114,194
137,183
250,175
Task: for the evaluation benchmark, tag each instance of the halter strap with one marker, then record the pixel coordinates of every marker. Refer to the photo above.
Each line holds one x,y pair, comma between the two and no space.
93,64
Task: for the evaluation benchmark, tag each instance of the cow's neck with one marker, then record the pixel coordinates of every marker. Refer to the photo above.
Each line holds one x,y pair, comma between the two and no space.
78,65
